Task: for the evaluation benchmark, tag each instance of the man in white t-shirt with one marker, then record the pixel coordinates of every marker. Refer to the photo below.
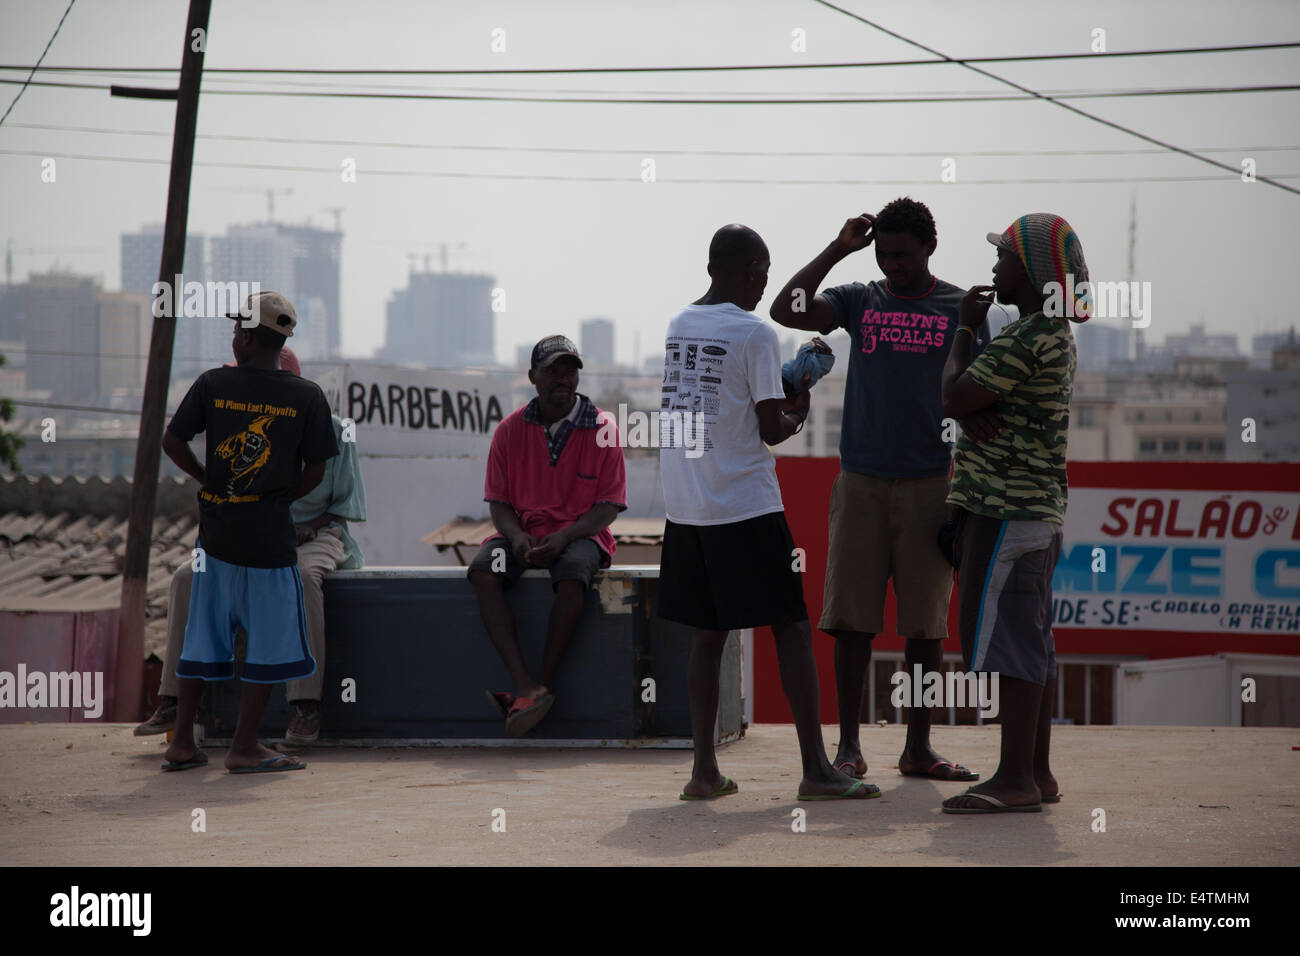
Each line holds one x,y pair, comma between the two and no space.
728,557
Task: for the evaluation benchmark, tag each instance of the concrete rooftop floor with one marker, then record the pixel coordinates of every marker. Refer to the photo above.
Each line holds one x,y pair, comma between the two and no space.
93,795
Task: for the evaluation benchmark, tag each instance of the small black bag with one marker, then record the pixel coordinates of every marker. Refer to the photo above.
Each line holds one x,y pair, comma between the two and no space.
948,533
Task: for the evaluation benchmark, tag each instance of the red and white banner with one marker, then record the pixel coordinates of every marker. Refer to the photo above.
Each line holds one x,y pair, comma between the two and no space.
1182,560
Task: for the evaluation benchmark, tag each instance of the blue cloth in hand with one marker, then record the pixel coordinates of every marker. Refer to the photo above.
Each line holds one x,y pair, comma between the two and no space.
807,361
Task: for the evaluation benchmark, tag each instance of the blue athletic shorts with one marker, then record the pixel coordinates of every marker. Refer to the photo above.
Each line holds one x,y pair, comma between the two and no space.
267,603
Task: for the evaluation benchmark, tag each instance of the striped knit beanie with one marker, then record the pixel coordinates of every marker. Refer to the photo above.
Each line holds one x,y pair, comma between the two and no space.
1051,252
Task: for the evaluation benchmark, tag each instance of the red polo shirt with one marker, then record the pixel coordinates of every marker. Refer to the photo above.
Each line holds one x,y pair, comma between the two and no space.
552,493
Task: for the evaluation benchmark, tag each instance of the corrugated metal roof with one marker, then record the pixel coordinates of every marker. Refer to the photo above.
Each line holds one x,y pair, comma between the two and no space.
472,531
66,562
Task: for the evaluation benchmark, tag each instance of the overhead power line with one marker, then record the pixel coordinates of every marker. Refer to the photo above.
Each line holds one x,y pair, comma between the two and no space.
614,100
645,151
535,92
1057,101
37,65
543,71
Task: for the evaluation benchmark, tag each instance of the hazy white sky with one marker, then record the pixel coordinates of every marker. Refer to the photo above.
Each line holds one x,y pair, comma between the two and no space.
588,236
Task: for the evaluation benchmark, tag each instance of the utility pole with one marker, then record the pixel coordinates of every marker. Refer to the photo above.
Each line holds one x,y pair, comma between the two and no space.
144,488
1139,340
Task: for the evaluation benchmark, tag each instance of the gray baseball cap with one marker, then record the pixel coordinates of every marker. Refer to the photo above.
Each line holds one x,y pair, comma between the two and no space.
270,309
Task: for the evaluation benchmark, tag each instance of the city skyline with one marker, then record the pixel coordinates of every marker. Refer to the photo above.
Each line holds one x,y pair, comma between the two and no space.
606,208
1247,343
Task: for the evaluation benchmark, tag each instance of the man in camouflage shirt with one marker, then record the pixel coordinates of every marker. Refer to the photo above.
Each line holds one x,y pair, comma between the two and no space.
1010,493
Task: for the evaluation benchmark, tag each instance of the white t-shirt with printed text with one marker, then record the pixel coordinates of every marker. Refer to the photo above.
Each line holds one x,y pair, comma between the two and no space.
719,363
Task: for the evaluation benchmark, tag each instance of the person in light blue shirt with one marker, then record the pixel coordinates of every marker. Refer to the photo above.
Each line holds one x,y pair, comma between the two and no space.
321,518
338,499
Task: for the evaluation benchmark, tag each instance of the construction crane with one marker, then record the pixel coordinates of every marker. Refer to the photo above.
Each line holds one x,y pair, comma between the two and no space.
270,201
270,195
10,252
415,244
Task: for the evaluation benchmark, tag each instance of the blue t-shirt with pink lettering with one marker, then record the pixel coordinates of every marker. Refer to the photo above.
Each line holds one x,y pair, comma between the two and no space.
893,404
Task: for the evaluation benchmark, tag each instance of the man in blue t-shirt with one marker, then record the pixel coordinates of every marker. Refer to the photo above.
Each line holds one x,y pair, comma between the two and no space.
889,500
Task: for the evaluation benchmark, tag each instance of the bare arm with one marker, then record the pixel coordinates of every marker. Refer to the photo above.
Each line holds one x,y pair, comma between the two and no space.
595,520
600,517
798,306
506,521
779,418
179,452
312,475
320,521
962,396
306,530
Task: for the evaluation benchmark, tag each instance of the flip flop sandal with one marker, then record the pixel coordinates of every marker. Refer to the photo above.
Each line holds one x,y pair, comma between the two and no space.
994,805
269,765
526,713
859,791
501,701
968,775
850,769
726,789
188,764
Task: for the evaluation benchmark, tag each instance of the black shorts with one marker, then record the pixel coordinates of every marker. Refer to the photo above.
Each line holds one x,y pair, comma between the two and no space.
724,577
578,562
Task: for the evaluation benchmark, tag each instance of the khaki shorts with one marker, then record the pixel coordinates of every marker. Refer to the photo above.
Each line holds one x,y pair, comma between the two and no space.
882,528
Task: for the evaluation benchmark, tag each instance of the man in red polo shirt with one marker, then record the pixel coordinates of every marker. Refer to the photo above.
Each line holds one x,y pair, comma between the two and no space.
553,491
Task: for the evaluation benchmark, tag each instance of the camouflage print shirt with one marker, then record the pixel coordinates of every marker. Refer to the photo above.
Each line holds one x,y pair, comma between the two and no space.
1020,474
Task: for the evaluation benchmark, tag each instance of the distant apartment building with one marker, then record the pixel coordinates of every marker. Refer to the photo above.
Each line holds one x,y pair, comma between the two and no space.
596,341
301,263
62,336
441,320
316,269
125,326
1264,404
1195,343
13,312
1200,343
198,344
1262,346
1111,419
1120,419
1100,346
83,345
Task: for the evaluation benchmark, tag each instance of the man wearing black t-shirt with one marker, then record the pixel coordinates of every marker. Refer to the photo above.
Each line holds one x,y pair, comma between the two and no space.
889,499
269,434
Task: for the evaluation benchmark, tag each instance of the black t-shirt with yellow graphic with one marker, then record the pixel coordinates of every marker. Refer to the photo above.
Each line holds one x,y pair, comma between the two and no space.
262,426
